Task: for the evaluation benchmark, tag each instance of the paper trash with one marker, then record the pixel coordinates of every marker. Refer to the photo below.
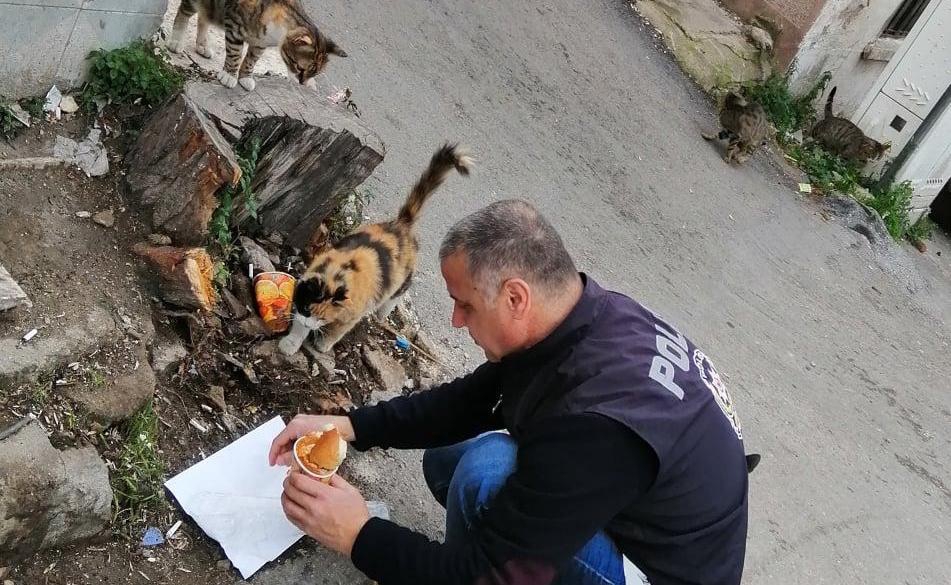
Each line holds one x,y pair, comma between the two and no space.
235,497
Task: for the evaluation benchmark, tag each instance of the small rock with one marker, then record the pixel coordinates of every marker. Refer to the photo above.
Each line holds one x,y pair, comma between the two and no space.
324,360
217,395
336,404
378,396
8,582
68,105
761,38
253,326
269,352
167,350
159,240
4,571
242,288
276,239
117,400
409,384
56,497
237,308
83,214
425,382
105,218
387,371
224,565
255,254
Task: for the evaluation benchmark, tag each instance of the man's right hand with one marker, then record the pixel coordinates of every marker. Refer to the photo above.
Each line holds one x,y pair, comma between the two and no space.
299,426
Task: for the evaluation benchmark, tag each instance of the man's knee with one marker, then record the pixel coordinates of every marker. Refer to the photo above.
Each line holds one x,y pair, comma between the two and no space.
482,470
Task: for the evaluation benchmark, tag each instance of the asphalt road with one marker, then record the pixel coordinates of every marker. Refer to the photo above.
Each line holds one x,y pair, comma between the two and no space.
837,359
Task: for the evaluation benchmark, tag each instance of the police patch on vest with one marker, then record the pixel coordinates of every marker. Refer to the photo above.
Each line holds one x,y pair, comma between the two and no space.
713,381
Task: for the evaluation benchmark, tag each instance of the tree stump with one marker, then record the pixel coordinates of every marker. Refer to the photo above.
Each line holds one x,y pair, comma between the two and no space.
185,274
313,154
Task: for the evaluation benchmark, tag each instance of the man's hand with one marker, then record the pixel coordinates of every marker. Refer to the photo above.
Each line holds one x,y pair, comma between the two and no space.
333,515
299,426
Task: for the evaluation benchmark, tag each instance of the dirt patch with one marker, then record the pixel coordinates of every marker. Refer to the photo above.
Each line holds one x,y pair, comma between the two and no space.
231,379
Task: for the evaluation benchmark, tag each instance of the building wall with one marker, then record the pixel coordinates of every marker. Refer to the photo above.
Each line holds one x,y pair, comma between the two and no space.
43,42
835,43
787,20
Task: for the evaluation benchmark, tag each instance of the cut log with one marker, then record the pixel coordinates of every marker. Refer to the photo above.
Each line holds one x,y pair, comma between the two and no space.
185,274
313,154
176,168
11,295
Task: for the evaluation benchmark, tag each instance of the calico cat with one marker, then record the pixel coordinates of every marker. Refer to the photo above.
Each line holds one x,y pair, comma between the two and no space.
746,126
842,137
368,269
260,24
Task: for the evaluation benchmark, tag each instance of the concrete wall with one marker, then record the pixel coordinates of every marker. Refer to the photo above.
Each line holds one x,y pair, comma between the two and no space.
46,41
787,20
835,43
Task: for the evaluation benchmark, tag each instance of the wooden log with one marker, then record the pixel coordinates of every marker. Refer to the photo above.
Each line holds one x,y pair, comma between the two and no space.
185,274
176,167
313,154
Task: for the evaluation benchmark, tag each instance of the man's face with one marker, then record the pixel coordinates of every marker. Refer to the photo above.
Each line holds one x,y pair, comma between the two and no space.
491,324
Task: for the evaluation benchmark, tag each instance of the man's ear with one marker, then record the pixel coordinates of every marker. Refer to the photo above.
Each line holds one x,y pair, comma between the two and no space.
517,296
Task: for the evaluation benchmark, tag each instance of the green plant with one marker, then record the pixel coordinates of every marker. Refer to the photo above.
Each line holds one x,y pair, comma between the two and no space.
9,125
893,203
130,74
787,112
828,171
220,227
920,231
33,106
137,478
96,378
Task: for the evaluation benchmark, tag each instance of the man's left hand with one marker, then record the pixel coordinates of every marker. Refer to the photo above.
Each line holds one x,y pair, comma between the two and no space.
333,514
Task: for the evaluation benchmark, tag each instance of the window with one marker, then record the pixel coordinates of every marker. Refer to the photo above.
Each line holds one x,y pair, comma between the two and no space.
904,19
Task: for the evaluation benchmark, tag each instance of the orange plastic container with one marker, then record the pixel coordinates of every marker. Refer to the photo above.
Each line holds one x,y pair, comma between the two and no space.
274,292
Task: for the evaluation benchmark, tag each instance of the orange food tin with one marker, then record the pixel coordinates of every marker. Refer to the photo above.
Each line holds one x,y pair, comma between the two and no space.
274,292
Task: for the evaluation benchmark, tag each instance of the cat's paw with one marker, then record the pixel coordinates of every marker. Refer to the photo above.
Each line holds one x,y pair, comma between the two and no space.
324,347
247,83
203,51
228,80
288,345
174,45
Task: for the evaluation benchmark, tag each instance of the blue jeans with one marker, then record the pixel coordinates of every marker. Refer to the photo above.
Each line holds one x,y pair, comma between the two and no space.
465,477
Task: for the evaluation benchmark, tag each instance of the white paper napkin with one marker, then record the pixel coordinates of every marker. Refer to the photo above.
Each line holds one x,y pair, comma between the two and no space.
235,497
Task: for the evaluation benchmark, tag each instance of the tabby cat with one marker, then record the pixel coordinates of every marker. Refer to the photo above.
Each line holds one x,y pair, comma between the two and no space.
744,124
260,24
368,269
842,137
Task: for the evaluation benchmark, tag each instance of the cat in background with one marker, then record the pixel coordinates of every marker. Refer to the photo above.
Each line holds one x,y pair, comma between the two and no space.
746,126
260,24
368,269
842,137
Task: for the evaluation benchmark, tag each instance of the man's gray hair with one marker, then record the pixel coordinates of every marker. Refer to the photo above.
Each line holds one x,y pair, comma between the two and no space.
510,239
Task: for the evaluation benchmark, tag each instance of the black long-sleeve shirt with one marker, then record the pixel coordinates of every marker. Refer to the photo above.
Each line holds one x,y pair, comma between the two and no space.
622,424
574,473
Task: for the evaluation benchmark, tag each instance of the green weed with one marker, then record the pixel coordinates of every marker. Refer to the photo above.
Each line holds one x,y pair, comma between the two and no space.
96,378
921,230
9,125
129,75
241,194
893,203
825,170
139,473
787,112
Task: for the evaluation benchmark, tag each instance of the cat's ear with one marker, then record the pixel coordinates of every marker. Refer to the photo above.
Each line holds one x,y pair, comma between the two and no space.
334,49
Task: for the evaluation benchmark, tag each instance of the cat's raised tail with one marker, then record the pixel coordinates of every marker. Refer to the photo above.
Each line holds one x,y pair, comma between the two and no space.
829,103
447,158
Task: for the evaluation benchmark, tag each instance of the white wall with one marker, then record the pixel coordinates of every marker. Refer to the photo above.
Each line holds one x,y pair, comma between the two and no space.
835,43
46,41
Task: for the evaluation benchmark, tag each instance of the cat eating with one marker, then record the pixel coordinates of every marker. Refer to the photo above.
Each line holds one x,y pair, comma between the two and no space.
842,137
746,126
260,24
368,269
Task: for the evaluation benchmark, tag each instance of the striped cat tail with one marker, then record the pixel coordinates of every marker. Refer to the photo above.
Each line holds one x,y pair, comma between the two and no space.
447,158
829,102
